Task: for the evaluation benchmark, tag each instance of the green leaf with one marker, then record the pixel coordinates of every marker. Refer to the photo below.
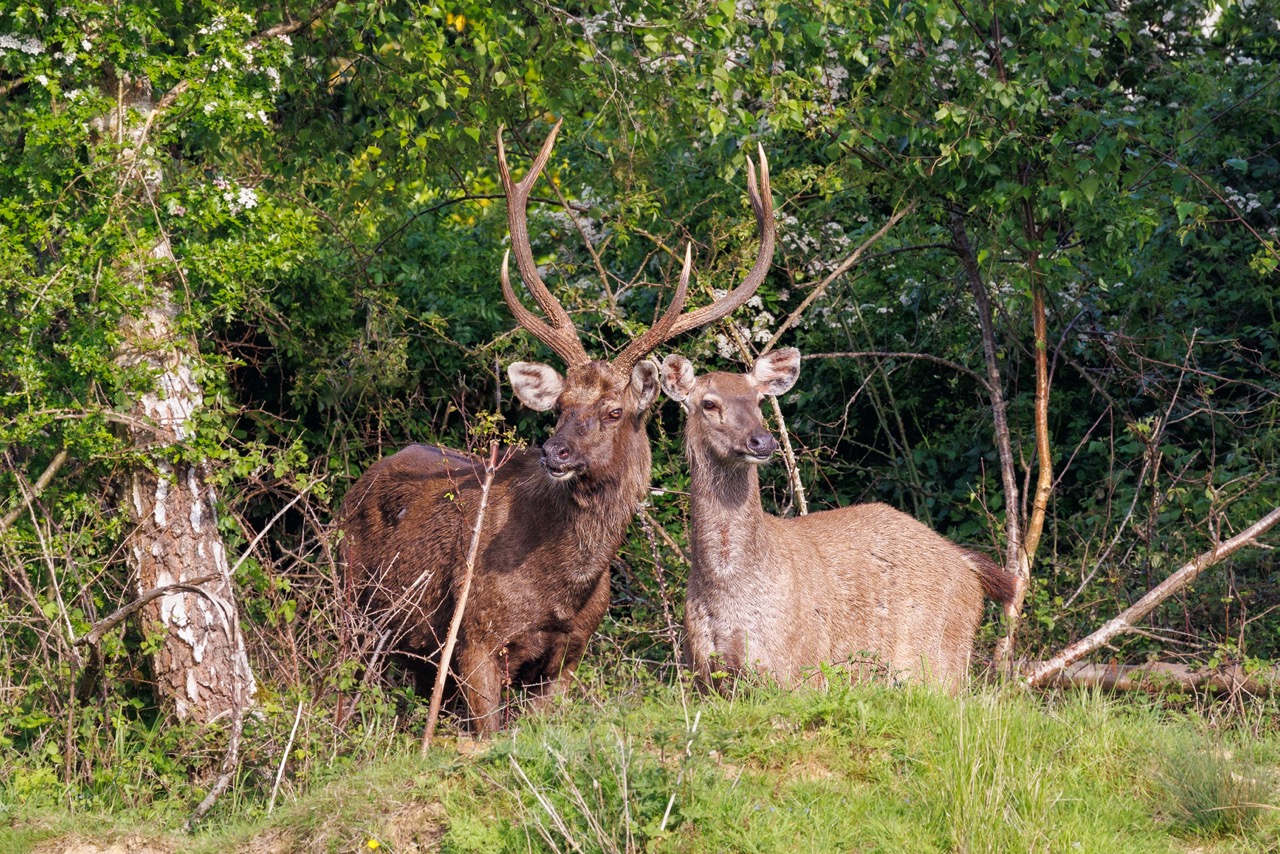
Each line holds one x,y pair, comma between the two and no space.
1089,187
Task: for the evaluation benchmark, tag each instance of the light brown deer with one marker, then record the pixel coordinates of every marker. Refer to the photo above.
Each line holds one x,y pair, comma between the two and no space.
556,516
779,596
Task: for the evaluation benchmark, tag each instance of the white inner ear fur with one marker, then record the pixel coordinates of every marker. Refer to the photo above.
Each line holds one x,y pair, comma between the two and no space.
776,372
677,377
644,379
537,385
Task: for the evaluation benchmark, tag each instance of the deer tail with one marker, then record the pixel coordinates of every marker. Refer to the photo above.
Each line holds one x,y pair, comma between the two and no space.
997,584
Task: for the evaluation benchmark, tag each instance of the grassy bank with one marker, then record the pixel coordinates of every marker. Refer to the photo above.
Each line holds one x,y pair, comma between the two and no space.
853,768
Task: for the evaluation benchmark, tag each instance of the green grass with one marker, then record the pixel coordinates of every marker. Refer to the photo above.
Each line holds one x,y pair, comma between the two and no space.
852,768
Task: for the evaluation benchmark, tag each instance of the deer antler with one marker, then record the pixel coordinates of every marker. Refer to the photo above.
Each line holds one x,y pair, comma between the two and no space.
672,322
560,334
660,331
761,196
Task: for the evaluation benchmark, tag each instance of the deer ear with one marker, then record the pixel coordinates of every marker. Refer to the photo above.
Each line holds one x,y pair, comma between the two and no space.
644,380
538,386
677,377
776,372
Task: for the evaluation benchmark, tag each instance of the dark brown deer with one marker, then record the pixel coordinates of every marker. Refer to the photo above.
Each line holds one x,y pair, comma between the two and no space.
556,515
779,596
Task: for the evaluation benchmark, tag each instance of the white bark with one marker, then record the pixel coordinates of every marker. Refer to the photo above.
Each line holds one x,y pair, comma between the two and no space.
201,667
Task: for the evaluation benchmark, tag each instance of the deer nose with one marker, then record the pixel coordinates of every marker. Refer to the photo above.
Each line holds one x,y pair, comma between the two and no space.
761,443
555,450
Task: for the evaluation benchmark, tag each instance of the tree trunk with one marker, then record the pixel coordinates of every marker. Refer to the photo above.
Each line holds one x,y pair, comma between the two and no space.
200,665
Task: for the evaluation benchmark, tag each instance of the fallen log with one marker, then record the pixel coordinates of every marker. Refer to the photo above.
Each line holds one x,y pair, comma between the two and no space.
1045,671
1158,677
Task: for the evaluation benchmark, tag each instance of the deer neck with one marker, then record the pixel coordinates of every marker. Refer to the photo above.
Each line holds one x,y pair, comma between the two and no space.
601,506
726,518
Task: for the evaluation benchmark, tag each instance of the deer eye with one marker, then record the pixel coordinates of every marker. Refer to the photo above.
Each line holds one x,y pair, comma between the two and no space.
710,406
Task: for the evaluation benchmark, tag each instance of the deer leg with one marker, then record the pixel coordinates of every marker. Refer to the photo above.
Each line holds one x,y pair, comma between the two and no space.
481,684
568,648
561,662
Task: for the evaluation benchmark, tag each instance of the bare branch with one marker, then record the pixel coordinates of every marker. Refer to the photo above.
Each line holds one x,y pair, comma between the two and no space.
841,268
647,525
100,628
284,757
886,354
1125,621
788,453
1015,557
446,655
1157,677
31,493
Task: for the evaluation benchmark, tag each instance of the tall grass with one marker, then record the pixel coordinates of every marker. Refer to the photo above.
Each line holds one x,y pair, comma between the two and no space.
850,768
1204,791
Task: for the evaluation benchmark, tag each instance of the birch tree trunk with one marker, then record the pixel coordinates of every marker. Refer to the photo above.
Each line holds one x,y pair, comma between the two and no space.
201,669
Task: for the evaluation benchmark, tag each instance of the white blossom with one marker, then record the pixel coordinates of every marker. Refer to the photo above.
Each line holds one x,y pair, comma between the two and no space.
217,25
29,44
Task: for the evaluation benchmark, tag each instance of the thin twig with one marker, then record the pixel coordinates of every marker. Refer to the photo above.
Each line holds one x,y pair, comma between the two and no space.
284,757
688,753
31,493
646,525
840,270
547,806
662,532
446,655
788,453
249,549
892,354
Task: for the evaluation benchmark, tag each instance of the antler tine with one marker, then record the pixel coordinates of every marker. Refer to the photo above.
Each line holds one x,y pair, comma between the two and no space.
560,334
660,331
761,196
564,342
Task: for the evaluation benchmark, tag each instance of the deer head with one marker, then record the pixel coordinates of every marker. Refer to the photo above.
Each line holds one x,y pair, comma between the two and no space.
602,404
724,418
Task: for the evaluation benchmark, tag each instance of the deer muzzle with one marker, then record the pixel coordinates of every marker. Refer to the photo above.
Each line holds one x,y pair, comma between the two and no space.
760,446
558,459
